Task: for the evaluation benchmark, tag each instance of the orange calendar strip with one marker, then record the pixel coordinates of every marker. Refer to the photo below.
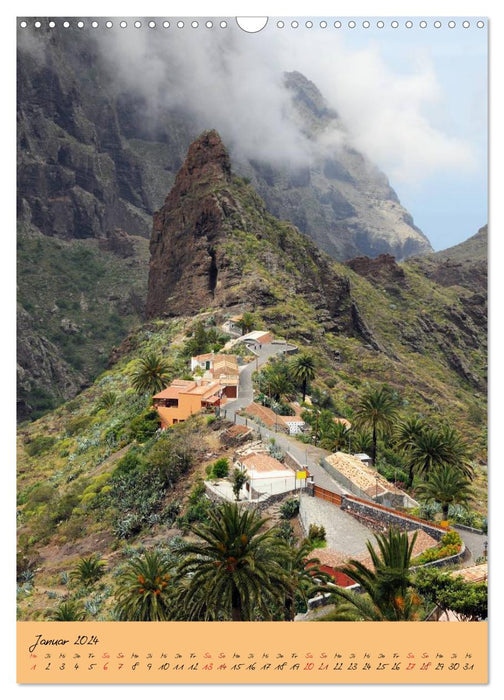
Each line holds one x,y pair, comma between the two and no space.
252,652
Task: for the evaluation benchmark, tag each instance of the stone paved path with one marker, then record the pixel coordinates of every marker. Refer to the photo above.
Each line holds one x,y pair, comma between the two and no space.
344,533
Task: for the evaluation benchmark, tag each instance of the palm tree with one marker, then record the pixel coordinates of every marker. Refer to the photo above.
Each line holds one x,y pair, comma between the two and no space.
88,570
151,374
338,438
448,486
303,370
306,577
68,611
406,432
279,385
234,570
247,322
143,593
434,447
377,409
386,587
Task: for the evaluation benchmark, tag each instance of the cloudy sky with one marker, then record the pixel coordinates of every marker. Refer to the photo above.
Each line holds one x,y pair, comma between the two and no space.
414,100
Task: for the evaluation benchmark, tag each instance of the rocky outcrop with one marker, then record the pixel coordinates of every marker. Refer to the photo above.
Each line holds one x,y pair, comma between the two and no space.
214,245
188,268
41,369
382,269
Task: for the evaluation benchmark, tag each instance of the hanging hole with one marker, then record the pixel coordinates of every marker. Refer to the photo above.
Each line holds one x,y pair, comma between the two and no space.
366,24
166,24
294,24
249,24
280,24
152,24
223,24
94,24
337,24
209,24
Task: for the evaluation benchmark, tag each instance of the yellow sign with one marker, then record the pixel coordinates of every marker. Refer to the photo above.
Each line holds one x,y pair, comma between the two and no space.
301,475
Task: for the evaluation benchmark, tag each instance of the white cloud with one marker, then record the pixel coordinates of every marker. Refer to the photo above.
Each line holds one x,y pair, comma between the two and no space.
233,82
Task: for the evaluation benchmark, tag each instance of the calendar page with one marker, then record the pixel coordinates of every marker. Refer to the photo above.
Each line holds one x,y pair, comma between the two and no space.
252,350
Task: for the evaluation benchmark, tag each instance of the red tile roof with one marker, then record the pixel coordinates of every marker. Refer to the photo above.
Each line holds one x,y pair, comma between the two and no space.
260,462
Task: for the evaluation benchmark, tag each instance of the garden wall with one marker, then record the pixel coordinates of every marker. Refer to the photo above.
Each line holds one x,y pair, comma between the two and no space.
388,518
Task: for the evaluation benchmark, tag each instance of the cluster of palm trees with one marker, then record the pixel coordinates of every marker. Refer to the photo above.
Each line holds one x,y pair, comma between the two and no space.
281,379
236,569
436,455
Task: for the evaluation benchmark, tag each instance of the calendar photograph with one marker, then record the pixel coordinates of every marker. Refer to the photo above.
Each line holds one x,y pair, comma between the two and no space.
252,349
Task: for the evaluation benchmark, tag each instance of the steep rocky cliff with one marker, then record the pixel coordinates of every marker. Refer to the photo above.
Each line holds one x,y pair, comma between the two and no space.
91,159
214,244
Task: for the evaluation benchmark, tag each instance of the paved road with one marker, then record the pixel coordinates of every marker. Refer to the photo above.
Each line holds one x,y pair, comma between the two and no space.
245,390
474,542
308,455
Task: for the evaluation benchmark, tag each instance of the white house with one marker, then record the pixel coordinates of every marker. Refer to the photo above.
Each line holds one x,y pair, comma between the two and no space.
266,475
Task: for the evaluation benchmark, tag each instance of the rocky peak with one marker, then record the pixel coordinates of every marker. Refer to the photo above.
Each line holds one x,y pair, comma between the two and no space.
187,266
207,163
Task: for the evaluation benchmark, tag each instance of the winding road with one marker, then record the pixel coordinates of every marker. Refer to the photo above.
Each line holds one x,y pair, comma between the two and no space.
308,455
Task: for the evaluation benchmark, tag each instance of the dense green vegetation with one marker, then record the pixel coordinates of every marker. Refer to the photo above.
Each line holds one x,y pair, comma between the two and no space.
80,298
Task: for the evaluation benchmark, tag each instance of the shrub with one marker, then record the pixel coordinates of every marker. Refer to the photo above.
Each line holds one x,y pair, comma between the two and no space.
144,426
451,537
316,532
220,468
289,509
38,445
78,424
436,553
130,461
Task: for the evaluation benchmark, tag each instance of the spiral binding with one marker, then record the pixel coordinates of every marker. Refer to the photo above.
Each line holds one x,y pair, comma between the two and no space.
287,23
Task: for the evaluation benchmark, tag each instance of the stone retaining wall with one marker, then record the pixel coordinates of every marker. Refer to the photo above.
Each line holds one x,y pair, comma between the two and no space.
386,518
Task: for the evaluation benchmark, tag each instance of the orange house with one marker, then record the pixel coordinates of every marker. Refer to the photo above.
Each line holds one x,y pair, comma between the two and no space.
184,398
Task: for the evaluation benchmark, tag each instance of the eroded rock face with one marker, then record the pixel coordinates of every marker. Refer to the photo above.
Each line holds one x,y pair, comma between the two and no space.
40,366
214,245
383,268
187,269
